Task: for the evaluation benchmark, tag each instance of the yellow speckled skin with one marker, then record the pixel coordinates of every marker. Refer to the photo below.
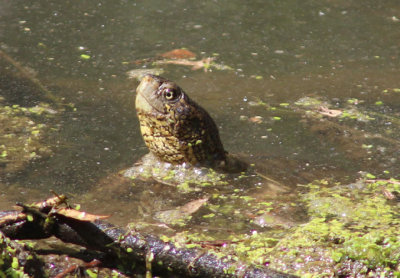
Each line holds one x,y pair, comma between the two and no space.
174,127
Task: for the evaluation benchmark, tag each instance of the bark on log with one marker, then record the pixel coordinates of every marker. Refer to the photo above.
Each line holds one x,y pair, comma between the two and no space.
126,249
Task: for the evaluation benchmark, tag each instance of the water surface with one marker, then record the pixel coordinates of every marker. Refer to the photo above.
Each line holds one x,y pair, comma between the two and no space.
279,52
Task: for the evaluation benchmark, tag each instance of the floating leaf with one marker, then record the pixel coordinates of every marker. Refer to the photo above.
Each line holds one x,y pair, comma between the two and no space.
181,53
193,206
329,112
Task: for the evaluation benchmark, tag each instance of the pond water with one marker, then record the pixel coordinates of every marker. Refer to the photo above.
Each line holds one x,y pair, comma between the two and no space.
342,53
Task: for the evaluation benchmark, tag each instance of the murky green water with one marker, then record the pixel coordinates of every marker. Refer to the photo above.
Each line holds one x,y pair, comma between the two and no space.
279,52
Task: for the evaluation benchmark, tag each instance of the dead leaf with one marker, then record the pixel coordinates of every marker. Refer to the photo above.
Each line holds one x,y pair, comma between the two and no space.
179,54
387,194
203,63
323,110
193,206
80,215
256,119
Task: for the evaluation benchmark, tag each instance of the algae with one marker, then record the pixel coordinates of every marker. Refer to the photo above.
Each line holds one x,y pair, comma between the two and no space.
10,265
352,231
184,177
22,132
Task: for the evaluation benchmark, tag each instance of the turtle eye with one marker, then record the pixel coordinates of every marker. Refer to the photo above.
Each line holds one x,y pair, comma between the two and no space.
170,94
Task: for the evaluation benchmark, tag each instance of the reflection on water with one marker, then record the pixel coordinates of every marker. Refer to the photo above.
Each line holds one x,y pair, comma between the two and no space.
279,51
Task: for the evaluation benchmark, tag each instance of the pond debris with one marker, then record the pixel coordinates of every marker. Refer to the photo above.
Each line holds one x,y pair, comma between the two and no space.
184,57
21,136
180,53
392,181
256,119
388,194
206,63
194,205
180,215
275,185
75,267
129,251
352,231
323,110
357,132
319,107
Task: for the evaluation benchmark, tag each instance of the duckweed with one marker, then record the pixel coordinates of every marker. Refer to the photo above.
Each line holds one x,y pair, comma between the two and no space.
352,230
184,178
9,263
352,226
22,135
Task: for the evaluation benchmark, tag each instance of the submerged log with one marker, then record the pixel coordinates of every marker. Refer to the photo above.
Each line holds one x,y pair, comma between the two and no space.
129,251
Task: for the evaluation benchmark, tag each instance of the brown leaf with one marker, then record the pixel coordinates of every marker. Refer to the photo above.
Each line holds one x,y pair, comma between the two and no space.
80,215
256,119
179,54
203,63
329,112
387,194
193,206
